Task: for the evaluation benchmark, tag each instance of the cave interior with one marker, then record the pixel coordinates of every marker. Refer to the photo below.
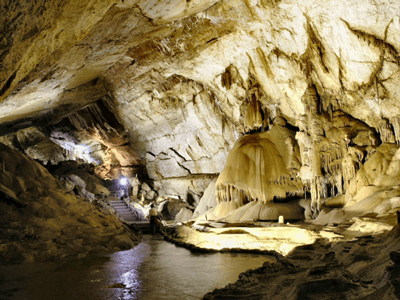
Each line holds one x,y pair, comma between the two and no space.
265,125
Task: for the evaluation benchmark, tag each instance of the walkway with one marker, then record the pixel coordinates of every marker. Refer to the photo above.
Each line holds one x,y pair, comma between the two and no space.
129,216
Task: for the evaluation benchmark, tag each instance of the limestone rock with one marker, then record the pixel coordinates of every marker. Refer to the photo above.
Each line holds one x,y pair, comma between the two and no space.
67,185
207,201
183,215
145,187
311,271
165,90
45,223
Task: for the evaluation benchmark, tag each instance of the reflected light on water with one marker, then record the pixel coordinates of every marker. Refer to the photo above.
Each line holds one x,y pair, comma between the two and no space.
154,269
132,284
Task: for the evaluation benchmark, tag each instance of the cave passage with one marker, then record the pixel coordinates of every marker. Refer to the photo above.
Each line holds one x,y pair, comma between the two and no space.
154,269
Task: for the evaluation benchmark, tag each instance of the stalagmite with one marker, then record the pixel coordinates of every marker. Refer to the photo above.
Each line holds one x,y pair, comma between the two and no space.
184,215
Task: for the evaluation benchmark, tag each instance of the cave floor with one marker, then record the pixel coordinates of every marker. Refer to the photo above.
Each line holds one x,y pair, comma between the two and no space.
272,236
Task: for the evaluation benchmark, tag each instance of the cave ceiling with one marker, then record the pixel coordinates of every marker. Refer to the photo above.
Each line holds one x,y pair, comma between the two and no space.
178,75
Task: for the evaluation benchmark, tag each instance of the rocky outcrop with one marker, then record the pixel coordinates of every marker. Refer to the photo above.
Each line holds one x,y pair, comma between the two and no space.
40,221
361,269
183,80
89,136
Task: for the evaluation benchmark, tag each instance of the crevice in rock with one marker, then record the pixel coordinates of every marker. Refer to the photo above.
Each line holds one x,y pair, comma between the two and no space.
8,84
151,21
152,154
185,168
373,40
177,153
314,42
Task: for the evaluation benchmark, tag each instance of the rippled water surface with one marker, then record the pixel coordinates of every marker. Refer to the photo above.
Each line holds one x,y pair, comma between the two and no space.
154,269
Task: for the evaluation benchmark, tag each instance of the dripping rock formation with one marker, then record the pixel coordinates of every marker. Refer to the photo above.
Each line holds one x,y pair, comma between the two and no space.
241,113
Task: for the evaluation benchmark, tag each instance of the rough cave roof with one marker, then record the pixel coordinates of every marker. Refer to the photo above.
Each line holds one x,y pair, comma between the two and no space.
177,74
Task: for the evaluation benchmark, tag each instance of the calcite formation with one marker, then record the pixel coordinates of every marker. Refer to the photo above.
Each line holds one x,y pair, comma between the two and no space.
358,269
254,170
241,110
165,90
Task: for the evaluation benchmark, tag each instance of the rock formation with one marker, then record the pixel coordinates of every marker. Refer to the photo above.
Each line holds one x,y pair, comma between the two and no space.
42,221
275,105
185,79
361,269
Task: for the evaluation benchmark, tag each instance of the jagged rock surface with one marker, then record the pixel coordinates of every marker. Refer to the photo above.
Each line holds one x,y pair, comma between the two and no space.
367,268
185,79
40,221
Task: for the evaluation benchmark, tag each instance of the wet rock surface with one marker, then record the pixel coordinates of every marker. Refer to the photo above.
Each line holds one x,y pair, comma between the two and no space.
365,268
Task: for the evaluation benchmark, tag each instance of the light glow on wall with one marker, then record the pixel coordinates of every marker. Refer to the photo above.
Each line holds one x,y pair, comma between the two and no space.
123,181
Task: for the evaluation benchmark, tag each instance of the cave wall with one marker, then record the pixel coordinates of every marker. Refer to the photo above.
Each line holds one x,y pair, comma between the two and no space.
91,135
178,76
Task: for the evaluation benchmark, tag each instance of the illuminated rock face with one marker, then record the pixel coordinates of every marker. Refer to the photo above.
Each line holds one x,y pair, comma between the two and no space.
185,79
91,135
42,221
256,170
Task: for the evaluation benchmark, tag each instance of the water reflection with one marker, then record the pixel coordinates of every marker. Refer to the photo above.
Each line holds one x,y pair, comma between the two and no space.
154,269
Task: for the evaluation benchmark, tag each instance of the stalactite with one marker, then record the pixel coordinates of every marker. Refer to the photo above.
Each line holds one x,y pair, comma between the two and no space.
396,128
339,183
230,77
386,131
78,122
253,119
370,150
331,156
266,121
315,196
254,170
323,192
349,170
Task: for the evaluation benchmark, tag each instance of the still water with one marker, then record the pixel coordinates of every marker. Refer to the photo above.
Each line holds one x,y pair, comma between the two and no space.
153,270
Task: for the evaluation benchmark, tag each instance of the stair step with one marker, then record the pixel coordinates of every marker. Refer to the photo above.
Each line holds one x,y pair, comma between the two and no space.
141,223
